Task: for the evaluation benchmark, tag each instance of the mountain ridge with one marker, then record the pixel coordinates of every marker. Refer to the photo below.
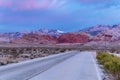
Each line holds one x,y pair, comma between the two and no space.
110,33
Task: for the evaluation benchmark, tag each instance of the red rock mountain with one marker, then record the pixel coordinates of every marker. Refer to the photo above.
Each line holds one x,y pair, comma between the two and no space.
73,38
35,39
48,39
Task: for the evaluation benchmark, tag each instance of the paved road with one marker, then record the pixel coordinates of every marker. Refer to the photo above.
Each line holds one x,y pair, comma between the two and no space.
28,69
67,66
80,67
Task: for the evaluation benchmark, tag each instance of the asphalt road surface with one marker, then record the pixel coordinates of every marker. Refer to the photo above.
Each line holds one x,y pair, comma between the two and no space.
72,65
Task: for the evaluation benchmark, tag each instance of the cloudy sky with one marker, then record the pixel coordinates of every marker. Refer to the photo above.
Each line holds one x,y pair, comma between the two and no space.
66,15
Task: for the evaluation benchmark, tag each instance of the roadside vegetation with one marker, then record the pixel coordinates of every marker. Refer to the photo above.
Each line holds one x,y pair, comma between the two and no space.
110,63
17,54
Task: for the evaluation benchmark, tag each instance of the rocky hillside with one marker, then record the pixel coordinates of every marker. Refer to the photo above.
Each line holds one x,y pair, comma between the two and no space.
99,28
109,33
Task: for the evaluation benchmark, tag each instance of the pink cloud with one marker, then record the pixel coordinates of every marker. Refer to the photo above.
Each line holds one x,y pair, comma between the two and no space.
31,4
25,4
34,4
4,3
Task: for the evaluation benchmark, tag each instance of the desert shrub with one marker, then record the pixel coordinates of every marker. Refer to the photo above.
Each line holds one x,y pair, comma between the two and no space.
112,50
62,50
111,63
14,53
103,57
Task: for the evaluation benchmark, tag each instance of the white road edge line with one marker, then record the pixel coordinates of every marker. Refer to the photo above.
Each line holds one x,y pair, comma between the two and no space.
96,68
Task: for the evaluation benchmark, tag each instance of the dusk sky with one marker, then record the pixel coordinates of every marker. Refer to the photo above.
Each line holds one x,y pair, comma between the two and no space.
66,15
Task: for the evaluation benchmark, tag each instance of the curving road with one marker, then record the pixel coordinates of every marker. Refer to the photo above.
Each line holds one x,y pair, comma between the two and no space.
72,65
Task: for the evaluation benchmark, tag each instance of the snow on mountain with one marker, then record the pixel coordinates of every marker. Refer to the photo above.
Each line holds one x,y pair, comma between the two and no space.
60,31
49,32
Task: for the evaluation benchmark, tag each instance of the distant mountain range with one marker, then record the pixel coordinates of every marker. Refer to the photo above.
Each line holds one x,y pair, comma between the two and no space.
110,33
104,32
